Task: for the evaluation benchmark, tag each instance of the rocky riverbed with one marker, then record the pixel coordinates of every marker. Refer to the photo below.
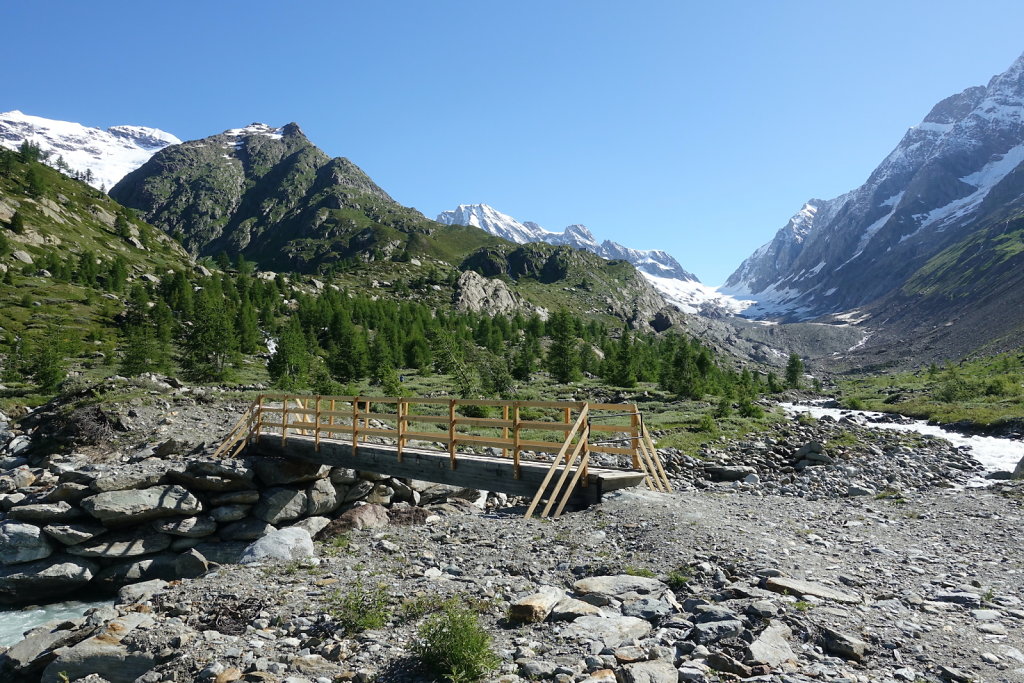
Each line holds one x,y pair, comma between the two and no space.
820,551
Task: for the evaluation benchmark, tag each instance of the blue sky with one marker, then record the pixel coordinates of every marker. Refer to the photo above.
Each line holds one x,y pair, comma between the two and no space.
698,128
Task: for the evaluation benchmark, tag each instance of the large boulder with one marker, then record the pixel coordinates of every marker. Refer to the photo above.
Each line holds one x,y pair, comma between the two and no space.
612,631
21,542
78,532
115,508
215,475
46,513
323,497
361,517
162,566
104,653
622,587
53,577
130,543
280,505
288,544
189,527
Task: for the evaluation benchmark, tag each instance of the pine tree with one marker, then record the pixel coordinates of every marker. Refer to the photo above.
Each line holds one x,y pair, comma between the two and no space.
794,371
140,351
210,343
17,223
289,366
36,179
563,356
122,227
248,328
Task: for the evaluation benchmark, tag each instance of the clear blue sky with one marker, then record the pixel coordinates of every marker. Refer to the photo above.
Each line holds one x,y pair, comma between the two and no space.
698,128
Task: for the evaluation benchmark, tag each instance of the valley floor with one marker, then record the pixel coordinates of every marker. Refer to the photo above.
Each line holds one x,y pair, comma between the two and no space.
934,585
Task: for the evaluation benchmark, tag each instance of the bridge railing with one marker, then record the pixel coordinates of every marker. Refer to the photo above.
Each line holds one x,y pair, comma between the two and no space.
551,427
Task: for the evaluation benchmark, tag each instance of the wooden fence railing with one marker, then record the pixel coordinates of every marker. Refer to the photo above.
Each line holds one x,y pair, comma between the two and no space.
524,426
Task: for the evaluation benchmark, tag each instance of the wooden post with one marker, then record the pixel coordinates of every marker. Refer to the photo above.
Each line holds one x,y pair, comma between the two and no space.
332,415
584,463
451,431
284,421
316,428
403,408
259,416
355,425
635,433
515,442
504,430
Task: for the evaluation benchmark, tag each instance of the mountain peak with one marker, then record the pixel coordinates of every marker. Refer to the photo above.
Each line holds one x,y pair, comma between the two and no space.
107,155
931,190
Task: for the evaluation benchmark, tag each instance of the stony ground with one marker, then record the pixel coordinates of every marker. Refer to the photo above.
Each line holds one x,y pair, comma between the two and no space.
771,569
930,586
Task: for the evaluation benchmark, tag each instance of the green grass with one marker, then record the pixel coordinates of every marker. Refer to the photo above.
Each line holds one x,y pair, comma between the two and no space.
984,391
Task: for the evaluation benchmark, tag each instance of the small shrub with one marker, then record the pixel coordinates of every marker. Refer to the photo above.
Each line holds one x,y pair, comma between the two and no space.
678,578
749,409
854,403
453,646
707,425
639,571
360,608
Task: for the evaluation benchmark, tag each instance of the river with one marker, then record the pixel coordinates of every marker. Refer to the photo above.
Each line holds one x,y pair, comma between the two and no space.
995,453
14,622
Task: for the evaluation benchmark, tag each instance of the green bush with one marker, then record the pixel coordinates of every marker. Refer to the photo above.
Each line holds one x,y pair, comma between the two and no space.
707,425
453,646
360,608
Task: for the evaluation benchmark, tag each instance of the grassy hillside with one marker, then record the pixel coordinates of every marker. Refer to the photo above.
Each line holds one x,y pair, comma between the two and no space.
984,392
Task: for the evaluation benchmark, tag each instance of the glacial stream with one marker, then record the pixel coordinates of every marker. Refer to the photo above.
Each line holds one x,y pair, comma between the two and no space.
995,453
14,622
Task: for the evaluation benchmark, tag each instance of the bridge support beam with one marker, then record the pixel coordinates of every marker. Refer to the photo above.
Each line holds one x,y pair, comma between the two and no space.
486,473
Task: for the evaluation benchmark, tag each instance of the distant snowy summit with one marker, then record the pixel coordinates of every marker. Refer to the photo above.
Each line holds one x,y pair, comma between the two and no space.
677,285
109,154
578,236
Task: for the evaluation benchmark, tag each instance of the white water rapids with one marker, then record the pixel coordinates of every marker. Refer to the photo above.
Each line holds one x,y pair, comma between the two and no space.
995,453
14,622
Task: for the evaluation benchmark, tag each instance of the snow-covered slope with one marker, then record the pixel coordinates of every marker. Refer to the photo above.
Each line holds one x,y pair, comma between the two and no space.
108,154
675,284
949,175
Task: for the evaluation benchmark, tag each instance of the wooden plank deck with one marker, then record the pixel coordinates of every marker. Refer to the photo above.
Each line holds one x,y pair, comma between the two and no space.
483,472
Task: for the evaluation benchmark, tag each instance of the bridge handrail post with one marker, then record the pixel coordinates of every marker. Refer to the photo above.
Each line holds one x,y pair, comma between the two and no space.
403,408
504,430
316,425
355,425
451,430
635,433
515,441
259,416
284,419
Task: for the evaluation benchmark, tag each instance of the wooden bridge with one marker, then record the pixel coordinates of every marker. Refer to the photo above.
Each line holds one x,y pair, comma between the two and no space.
440,439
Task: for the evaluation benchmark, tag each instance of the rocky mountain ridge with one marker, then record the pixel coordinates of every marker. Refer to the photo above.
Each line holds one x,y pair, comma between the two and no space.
653,261
956,171
676,285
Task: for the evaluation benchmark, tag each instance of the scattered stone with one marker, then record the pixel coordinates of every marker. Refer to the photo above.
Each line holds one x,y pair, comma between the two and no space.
537,606
799,588
284,544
